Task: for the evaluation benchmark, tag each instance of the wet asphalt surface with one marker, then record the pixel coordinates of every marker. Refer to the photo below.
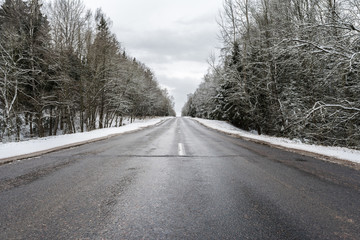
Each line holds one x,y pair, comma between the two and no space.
142,186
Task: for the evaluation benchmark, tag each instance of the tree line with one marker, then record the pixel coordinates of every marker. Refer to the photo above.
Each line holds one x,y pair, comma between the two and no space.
62,70
286,68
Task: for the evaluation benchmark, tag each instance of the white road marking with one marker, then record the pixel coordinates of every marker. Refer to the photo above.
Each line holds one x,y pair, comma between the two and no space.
181,150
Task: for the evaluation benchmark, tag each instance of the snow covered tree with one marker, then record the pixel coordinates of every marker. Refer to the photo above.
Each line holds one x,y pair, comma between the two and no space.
290,68
25,51
65,72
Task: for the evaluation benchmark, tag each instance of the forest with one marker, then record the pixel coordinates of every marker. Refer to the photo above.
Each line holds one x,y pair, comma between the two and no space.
286,68
63,71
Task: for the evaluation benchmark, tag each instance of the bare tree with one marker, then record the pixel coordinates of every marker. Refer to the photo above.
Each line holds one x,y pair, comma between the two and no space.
289,68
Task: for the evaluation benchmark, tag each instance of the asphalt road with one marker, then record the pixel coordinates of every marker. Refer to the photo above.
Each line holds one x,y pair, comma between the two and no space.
178,180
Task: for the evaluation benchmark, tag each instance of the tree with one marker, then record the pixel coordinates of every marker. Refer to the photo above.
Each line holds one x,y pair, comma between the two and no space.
289,68
68,74
25,48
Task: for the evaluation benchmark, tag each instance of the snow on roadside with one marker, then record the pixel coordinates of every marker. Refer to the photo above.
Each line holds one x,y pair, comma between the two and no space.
337,152
36,145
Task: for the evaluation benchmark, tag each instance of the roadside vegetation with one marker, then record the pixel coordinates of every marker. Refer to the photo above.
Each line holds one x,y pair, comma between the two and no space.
62,71
287,68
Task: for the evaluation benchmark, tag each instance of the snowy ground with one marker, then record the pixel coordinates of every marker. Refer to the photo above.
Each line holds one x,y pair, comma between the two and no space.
14,149
334,152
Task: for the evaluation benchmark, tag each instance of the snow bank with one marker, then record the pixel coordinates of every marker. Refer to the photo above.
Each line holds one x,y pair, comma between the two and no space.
14,149
336,152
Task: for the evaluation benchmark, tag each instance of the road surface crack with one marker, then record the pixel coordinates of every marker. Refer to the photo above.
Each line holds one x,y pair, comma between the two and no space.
8,184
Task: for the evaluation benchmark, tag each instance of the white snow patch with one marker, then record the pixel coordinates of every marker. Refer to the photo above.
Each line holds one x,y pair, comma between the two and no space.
14,149
337,152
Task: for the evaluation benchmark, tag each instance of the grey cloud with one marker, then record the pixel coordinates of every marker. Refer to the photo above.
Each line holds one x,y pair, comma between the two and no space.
205,19
181,88
175,44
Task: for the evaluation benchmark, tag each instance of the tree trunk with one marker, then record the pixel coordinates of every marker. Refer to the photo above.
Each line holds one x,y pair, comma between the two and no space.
39,124
31,125
18,128
50,121
101,117
56,124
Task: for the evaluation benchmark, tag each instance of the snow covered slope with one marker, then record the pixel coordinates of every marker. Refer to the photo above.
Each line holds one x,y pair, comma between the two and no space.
13,150
330,152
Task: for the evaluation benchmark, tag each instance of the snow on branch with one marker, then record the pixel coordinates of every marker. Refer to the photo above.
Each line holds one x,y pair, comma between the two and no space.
325,49
318,106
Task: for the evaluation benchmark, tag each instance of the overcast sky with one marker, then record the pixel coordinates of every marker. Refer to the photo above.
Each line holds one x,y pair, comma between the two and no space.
172,37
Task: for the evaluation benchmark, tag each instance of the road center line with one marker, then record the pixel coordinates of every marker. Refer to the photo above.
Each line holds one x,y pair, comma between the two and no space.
181,150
